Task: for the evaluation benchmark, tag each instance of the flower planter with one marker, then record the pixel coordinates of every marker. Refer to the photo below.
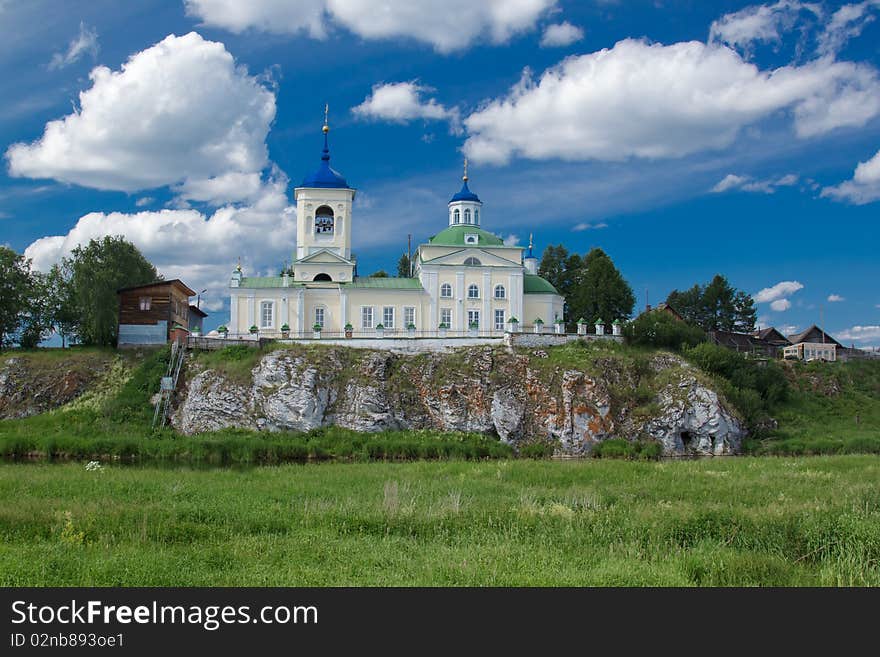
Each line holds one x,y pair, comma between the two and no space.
539,326
616,327
349,331
582,326
410,333
380,331
513,325
560,328
442,331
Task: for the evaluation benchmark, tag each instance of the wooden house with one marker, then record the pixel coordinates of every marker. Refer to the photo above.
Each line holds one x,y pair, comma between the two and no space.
151,313
196,318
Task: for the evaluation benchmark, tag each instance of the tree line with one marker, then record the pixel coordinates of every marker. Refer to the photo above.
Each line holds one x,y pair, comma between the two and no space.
76,298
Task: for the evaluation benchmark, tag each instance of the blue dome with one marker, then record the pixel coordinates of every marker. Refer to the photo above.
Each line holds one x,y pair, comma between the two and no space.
325,177
465,194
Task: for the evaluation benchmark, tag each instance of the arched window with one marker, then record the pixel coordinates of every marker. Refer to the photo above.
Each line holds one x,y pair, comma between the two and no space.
500,292
456,216
324,220
322,277
477,216
446,291
267,314
467,216
473,291
472,262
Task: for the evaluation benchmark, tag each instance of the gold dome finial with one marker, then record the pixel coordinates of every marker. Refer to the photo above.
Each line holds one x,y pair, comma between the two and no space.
238,266
326,127
464,177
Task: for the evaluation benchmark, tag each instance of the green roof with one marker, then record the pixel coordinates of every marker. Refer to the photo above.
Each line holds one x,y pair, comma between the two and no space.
263,281
454,236
536,285
387,283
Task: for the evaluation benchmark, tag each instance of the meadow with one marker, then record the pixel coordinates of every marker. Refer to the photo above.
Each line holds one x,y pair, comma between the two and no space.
812,521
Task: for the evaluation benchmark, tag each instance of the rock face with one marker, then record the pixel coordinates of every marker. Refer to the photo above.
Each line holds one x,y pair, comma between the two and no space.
519,397
30,385
693,421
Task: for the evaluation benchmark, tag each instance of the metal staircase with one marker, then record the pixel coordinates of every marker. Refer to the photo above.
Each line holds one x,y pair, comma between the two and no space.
169,384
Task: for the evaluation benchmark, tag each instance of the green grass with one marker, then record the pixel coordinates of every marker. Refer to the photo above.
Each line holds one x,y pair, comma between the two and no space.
737,522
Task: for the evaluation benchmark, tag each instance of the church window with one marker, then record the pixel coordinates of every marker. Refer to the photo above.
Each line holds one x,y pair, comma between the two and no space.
456,216
267,314
388,317
499,319
319,317
500,292
324,220
477,217
467,216
473,291
473,318
367,317
446,317
145,303
472,262
322,277
446,291
409,316
471,239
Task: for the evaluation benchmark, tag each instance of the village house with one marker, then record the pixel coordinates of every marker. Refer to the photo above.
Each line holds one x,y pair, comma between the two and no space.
155,313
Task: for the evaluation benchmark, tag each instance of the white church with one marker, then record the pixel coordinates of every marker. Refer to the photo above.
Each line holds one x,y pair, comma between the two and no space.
466,281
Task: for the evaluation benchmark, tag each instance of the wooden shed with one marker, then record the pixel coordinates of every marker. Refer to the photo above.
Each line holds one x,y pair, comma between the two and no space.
149,313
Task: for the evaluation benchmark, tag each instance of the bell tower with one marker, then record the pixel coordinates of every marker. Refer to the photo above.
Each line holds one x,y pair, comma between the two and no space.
465,206
323,220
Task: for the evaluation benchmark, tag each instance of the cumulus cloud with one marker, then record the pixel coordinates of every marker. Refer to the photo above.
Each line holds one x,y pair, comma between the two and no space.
846,23
780,305
180,112
561,34
646,100
511,240
447,25
749,184
198,248
779,291
835,298
859,334
864,186
144,201
588,226
402,102
85,43
760,23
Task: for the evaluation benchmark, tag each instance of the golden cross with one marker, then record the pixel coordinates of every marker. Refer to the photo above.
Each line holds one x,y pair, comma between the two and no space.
326,112
465,177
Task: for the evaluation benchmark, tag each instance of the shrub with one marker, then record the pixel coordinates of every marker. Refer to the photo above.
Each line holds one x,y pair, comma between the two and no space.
660,329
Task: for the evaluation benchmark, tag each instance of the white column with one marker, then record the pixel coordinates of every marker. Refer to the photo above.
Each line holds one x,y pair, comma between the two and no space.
343,308
300,309
430,282
284,319
460,310
252,316
486,322
233,314
516,297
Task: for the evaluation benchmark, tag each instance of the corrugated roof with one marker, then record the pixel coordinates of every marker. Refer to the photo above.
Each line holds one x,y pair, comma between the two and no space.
265,281
533,284
387,283
454,236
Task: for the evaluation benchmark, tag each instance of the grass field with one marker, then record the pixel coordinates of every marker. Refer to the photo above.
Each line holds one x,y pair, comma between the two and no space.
748,521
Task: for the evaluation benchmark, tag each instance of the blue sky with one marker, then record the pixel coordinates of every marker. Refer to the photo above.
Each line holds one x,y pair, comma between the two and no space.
683,137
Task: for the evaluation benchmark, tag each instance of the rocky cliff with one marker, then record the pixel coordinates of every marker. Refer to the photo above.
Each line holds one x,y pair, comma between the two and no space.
571,397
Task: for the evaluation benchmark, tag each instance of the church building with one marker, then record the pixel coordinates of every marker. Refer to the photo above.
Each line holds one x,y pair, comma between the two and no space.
465,281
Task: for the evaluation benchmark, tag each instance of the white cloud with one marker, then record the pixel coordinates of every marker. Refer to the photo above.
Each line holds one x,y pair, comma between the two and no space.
864,186
402,101
780,305
200,249
860,334
760,23
144,201
778,291
846,23
588,226
749,184
448,25
180,112
561,34
86,42
654,101
511,240
835,298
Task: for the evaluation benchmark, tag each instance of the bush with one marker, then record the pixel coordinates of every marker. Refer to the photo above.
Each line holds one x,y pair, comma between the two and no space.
660,329
536,451
618,448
